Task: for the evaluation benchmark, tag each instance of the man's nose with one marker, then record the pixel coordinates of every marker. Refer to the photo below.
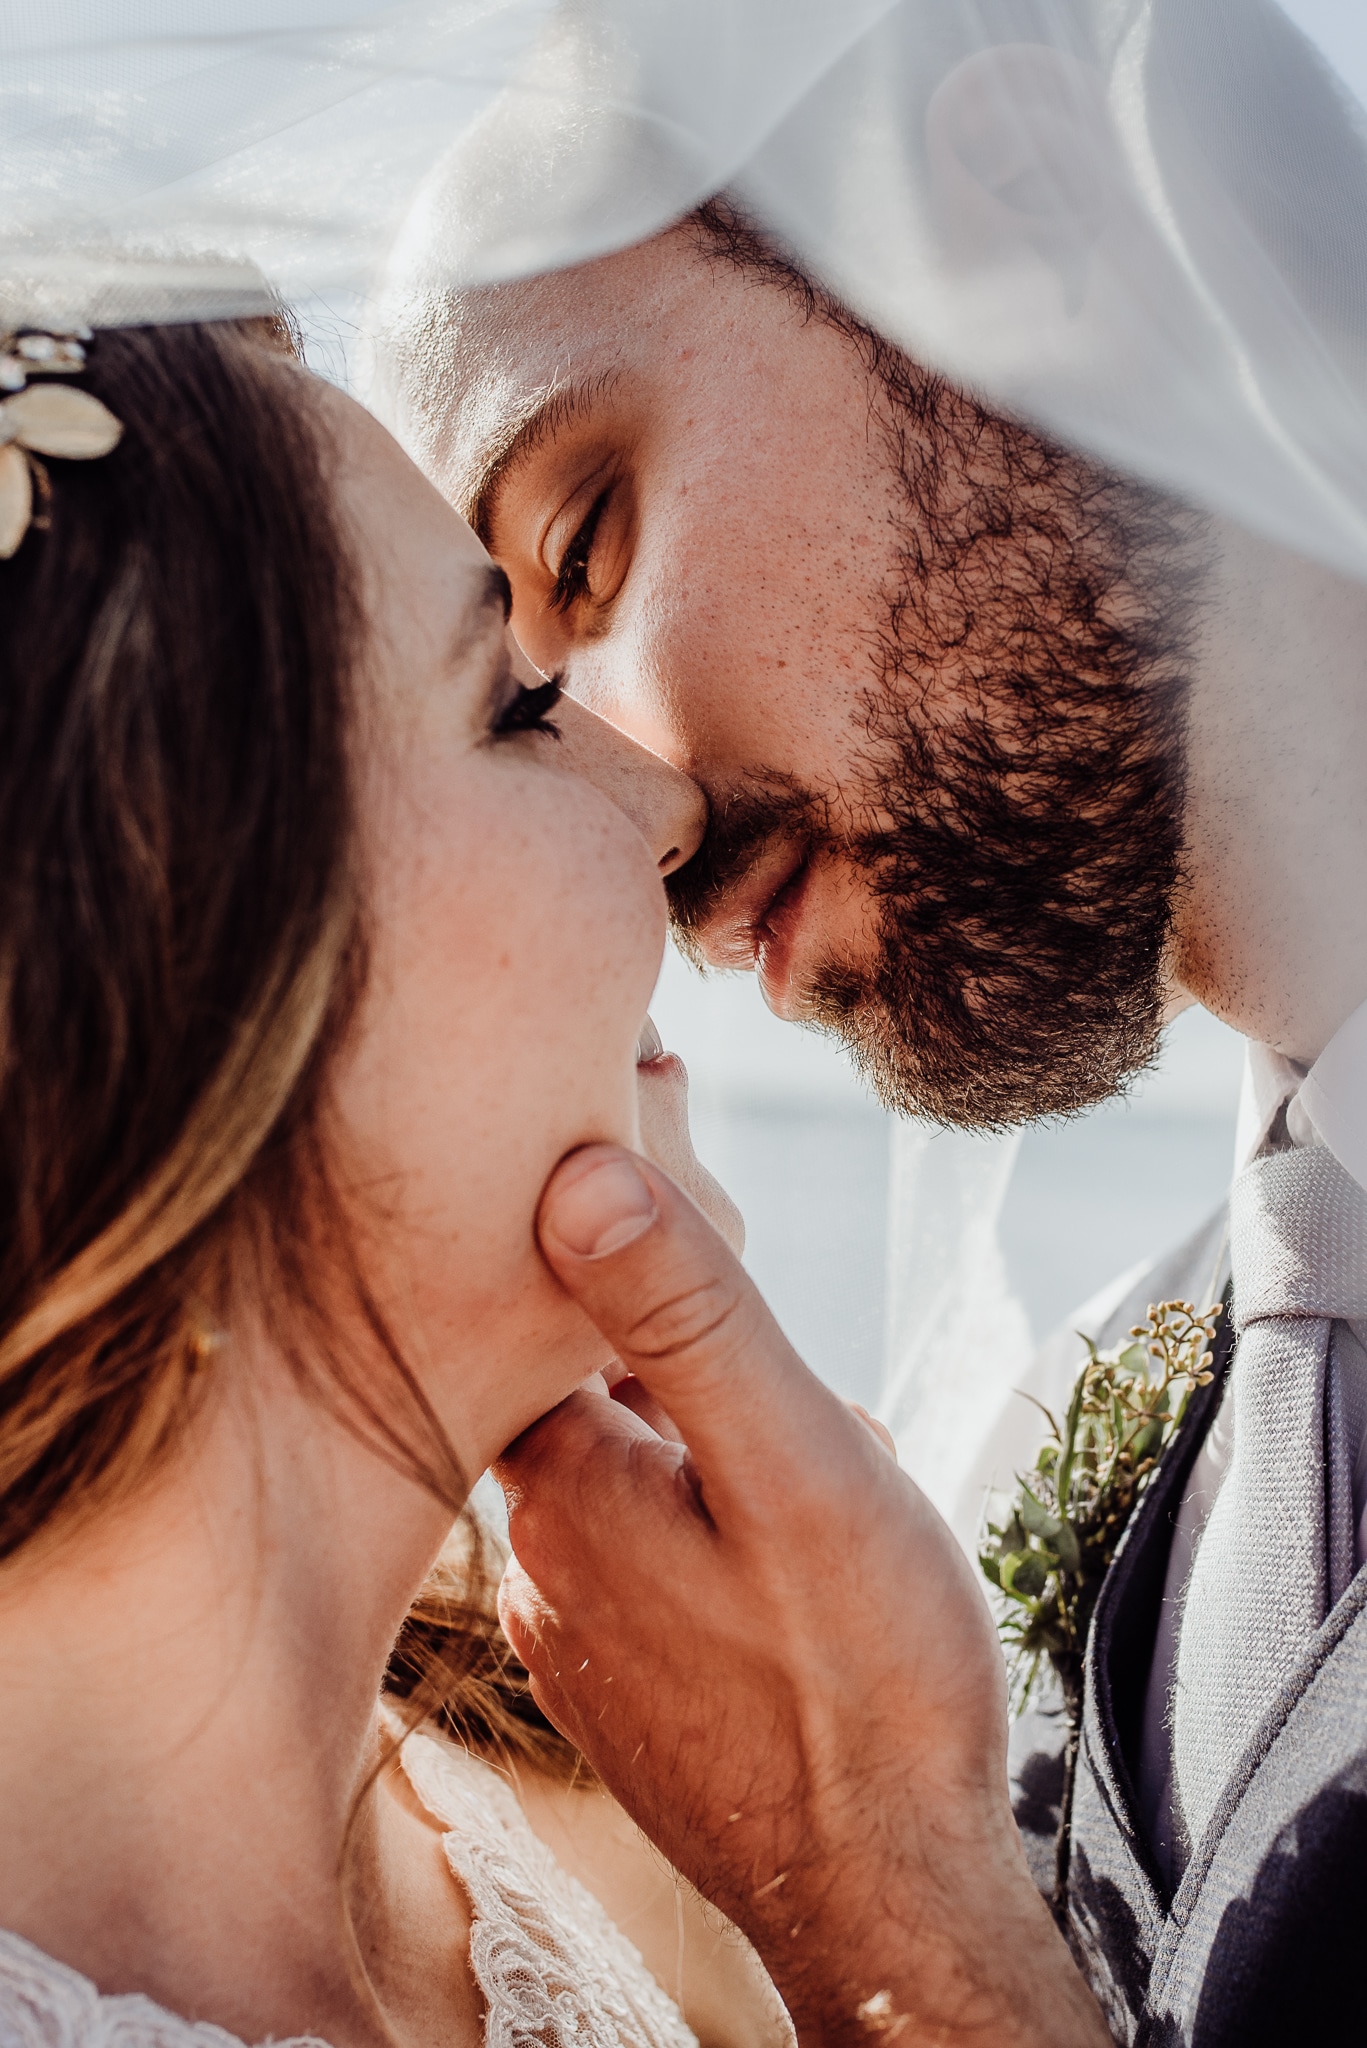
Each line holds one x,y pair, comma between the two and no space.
663,803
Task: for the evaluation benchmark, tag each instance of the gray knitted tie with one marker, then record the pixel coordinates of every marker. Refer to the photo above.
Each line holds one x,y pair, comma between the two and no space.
1259,1584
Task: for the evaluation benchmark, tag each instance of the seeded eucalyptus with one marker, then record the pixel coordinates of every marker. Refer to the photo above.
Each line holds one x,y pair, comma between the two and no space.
1054,1545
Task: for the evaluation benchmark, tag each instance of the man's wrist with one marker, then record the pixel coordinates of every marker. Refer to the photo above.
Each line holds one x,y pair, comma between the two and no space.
974,1959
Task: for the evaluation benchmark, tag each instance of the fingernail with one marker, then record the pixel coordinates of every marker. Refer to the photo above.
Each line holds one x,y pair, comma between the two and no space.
602,1210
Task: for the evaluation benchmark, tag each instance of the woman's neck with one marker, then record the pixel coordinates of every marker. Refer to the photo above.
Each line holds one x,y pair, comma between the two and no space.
188,1689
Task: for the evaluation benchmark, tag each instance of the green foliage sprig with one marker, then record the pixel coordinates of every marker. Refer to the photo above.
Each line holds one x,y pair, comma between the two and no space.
1056,1541
1051,1550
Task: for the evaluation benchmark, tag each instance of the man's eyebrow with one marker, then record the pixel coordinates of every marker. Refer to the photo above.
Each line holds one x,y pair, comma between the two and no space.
546,414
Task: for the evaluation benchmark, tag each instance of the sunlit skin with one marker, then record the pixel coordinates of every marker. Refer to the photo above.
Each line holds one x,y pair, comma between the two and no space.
815,1724
518,928
188,1681
714,537
727,605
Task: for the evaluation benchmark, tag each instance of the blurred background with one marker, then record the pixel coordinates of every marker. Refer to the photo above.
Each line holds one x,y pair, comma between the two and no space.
809,1156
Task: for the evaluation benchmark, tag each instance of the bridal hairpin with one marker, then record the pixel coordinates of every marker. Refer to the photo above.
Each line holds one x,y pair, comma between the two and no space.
43,419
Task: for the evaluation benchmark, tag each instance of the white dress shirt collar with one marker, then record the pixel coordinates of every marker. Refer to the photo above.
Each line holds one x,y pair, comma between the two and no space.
1327,1102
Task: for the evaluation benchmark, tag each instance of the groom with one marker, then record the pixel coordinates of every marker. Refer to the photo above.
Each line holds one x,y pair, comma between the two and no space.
1006,757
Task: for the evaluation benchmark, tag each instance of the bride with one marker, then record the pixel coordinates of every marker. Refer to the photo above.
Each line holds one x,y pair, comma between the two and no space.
315,961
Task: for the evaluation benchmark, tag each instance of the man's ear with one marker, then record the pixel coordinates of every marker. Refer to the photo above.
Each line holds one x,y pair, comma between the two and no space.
1024,162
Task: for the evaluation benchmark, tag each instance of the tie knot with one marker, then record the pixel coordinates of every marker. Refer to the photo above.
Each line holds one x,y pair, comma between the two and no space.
1298,1238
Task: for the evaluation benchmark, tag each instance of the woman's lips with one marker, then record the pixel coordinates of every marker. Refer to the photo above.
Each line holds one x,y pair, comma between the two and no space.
653,1063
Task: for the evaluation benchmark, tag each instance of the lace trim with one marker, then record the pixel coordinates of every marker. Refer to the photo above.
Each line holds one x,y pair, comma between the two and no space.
555,1971
553,1968
45,2004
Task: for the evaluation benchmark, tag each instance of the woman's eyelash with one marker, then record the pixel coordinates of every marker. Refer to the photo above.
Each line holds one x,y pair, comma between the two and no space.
530,710
572,577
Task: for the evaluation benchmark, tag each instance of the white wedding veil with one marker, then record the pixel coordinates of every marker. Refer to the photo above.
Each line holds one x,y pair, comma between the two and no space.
1140,224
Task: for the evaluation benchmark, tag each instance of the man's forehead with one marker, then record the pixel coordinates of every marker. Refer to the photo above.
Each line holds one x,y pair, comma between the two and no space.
527,343
468,373
516,423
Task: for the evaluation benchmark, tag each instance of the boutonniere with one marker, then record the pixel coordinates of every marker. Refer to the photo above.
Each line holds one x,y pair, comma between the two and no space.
1056,1536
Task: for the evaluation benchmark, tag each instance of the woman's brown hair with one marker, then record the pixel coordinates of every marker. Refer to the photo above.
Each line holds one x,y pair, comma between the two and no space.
181,947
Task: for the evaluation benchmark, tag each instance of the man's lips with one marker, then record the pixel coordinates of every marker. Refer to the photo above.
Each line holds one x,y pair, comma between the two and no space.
780,929
759,923
735,933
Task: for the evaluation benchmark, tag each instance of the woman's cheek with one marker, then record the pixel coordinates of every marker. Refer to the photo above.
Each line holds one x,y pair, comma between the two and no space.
583,968
517,926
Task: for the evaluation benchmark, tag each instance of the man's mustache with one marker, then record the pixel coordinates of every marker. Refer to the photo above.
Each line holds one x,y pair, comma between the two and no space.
742,821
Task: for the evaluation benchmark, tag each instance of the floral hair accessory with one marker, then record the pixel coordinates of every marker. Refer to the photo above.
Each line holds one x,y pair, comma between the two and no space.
44,419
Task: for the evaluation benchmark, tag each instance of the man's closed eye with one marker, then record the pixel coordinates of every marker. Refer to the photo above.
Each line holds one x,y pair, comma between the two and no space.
572,575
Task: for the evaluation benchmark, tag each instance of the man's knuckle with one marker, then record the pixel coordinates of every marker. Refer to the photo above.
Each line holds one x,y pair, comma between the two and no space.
531,1532
706,1315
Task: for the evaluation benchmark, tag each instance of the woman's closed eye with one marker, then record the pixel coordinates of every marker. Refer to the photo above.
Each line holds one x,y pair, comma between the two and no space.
529,710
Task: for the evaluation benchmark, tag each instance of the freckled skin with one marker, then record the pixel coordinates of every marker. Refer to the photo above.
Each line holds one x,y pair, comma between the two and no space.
734,620
736,628
739,581
186,1781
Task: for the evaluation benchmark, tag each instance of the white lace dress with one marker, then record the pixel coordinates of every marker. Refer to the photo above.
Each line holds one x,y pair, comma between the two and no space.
554,1970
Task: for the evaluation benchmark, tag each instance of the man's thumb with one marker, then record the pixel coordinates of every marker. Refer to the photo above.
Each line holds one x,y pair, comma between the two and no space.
674,1302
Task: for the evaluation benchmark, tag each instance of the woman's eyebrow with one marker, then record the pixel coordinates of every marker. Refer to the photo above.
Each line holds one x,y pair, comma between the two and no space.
483,618
527,428
498,591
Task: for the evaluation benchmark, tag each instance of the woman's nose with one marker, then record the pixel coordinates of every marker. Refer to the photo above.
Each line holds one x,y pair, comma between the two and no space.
665,805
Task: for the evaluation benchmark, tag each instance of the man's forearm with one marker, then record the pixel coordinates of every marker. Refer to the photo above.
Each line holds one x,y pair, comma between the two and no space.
773,1651
974,1961
920,2000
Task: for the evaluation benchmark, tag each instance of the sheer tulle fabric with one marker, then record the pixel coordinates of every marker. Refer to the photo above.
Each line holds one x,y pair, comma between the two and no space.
1143,223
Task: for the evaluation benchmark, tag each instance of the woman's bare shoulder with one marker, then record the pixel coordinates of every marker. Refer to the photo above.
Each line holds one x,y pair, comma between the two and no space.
694,1953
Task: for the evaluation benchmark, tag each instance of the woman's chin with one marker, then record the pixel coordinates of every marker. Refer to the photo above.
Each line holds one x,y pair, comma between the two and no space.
662,1094
582,1362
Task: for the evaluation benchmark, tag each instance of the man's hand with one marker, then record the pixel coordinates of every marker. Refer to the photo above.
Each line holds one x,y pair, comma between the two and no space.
771,1649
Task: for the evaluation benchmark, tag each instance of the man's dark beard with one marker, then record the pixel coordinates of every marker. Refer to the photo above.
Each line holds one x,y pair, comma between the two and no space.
1024,757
